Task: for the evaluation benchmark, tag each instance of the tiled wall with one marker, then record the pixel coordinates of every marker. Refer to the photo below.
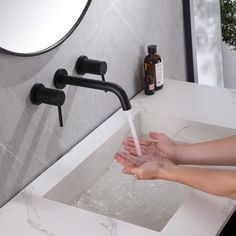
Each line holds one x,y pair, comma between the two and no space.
116,31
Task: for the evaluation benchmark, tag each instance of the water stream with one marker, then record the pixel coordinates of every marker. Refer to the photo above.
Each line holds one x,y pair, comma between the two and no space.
134,133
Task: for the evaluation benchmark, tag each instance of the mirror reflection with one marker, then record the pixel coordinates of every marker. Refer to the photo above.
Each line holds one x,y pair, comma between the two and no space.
215,36
31,27
228,26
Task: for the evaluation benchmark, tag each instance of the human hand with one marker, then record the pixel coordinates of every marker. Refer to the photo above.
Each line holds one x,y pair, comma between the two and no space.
143,169
162,147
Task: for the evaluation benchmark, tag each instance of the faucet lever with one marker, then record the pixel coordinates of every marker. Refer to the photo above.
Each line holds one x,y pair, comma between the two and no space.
39,94
85,65
60,116
103,79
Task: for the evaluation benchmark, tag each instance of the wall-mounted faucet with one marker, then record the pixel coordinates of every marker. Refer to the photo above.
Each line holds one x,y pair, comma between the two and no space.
61,79
39,94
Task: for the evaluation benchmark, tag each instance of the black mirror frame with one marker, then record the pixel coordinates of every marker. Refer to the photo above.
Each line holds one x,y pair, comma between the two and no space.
5,51
190,45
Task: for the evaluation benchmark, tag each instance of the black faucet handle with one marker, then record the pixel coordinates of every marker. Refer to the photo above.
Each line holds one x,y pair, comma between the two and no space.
40,94
84,65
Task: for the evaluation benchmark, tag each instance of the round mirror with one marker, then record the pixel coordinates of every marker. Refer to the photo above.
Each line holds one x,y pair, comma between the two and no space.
30,27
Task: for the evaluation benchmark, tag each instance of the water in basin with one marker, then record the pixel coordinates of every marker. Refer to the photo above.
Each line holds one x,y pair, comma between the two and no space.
97,183
148,203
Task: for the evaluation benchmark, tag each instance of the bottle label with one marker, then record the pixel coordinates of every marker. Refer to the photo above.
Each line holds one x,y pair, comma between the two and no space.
151,86
159,74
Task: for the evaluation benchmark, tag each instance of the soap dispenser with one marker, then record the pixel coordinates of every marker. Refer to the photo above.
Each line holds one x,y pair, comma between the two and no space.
153,64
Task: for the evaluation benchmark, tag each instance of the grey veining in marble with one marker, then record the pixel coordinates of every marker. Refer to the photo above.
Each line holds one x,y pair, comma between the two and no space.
33,216
109,224
112,30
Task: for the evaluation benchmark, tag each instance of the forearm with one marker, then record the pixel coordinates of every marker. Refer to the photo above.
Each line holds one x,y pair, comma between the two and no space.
218,152
213,181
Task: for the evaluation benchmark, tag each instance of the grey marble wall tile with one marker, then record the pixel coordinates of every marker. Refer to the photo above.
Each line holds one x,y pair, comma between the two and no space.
26,146
112,30
161,23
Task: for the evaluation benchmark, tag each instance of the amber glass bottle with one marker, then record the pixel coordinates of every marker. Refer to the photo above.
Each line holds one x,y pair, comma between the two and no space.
153,65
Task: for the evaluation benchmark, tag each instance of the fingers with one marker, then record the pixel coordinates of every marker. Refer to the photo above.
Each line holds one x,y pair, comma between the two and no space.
121,158
132,150
132,171
129,145
154,135
142,141
126,159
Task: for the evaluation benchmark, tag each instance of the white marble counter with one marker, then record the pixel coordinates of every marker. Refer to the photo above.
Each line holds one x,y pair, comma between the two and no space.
29,213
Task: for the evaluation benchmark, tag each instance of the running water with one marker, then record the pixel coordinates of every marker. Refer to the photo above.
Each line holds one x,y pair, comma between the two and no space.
133,130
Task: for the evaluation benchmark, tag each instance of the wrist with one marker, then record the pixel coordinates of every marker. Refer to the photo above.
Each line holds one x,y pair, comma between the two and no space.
178,154
175,157
168,171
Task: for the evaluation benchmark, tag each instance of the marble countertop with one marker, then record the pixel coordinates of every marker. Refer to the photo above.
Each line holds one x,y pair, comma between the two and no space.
29,213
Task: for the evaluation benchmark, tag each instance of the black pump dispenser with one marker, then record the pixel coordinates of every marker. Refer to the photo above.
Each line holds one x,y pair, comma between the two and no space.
152,49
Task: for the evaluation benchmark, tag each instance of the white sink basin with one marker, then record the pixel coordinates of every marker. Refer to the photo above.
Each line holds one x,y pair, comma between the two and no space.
96,183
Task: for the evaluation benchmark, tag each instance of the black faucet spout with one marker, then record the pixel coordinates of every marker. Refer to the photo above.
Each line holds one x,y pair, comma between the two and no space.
61,79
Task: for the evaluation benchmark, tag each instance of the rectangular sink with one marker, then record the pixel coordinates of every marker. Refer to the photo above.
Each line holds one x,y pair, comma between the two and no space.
98,185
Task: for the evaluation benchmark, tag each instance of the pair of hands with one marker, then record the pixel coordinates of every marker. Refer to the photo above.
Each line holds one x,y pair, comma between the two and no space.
158,156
